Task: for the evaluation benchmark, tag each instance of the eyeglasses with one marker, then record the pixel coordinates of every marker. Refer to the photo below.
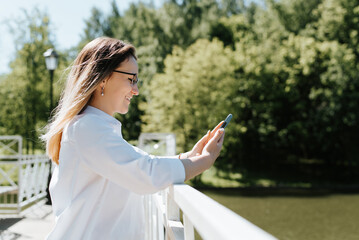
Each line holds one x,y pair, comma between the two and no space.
134,80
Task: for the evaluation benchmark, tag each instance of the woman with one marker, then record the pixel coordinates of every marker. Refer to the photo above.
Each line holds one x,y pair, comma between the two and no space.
99,180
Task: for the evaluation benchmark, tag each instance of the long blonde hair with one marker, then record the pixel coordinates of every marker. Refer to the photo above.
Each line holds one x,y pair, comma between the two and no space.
95,63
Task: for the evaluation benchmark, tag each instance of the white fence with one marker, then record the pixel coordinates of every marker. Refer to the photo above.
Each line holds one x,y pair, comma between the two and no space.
175,212
23,178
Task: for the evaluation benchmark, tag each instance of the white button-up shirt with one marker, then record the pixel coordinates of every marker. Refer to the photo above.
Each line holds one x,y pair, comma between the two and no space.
97,189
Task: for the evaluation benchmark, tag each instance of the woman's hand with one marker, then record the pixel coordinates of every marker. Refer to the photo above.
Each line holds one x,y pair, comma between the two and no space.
199,163
214,146
198,148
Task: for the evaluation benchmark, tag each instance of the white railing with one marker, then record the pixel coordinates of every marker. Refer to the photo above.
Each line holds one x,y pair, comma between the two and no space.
208,217
23,178
175,212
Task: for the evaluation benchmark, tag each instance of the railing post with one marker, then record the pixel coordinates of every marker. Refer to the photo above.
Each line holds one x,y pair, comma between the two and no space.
188,228
172,208
160,214
20,183
174,228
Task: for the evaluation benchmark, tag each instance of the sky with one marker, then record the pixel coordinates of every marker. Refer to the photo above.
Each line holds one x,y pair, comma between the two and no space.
66,16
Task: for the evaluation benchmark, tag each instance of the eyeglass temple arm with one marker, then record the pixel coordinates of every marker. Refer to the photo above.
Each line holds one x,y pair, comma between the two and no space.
133,74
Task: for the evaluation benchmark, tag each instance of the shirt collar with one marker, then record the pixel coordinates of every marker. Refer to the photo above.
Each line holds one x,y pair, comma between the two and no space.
102,114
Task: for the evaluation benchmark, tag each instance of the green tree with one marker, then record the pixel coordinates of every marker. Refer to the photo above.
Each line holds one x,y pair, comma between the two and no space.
25,91
293,93
295,15
154,33
192,95
287,71
300,92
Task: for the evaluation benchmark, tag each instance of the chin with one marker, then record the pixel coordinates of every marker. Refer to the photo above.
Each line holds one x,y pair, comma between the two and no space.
123,111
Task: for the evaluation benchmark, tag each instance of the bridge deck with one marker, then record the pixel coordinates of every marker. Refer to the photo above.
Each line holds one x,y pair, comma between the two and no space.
35,225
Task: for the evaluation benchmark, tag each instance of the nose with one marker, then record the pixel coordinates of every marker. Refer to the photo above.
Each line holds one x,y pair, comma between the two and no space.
135,90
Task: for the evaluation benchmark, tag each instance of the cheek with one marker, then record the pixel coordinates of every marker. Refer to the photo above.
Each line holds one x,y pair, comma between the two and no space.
116,89
121,93
119,89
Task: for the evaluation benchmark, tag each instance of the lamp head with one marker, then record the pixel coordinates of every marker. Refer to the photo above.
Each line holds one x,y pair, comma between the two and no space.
51,59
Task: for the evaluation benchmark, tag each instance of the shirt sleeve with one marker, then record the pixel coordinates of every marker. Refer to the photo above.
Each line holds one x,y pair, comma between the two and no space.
109,155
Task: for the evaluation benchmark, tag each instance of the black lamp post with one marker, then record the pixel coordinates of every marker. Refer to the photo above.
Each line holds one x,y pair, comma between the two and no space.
51,59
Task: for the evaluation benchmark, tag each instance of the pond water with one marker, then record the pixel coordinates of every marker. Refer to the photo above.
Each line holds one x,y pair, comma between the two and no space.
296,217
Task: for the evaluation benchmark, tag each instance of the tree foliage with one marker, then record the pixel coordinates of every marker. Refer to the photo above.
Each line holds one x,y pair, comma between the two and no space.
293,89
24,94
287,70
186,89
154,33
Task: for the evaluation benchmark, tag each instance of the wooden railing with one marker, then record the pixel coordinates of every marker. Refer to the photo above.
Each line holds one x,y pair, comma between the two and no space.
176,211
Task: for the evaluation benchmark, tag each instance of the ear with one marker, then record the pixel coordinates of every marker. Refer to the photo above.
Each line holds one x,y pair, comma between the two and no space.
103,83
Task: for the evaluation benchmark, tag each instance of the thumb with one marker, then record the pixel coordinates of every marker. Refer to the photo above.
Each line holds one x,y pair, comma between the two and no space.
217,136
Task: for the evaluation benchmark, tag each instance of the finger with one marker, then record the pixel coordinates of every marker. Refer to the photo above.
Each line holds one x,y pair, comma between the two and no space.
204,138
217,136
220,133
208,137
198,147
217,127
220,142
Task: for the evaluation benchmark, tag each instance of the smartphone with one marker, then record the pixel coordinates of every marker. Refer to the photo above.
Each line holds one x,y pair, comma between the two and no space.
228,119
